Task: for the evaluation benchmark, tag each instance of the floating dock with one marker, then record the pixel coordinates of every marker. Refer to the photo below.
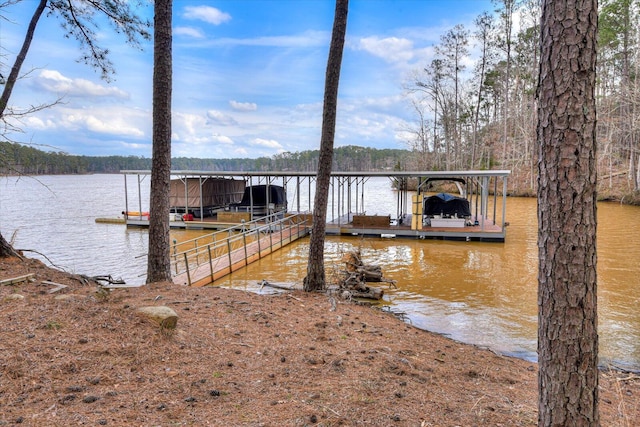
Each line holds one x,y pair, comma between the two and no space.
485,192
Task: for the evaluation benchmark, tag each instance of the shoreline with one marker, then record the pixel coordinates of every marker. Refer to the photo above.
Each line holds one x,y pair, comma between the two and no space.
244,359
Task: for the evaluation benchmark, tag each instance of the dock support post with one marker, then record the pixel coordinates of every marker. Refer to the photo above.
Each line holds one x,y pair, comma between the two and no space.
186,265
246,255
126,198
504,201
139,198
210,263
495,198
229,253
298,193
484,202
259,248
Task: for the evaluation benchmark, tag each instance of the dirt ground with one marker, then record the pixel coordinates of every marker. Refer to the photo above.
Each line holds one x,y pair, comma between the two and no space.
81,356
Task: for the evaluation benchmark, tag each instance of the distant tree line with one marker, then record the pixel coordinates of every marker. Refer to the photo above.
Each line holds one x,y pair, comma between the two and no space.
16,159
480,112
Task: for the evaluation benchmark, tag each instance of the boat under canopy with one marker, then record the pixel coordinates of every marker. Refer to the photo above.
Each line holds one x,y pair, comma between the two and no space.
446,206
480,216
262,200
202,196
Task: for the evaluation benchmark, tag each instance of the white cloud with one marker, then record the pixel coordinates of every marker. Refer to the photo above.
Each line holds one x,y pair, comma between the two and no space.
103,124
195,130
188,127
204,145
219,118
390,49
268,143
243,106
33,122
207,14
134,145
54,81
115,126
222,139
189,32
241,152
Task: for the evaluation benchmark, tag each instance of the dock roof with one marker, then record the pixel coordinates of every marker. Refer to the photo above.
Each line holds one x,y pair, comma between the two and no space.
399,174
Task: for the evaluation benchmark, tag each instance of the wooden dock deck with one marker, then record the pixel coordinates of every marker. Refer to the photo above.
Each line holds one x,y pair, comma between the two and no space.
486,230
203,265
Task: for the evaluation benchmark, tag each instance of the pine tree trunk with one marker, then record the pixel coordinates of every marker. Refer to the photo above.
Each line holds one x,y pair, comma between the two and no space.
566,132
315,279
159,261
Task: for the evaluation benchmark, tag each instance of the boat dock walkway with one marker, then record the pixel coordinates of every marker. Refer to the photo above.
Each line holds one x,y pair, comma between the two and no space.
202,261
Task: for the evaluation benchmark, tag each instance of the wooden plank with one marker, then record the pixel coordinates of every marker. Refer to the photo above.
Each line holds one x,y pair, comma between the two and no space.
57,286
110,220
234,217
371,220
15,280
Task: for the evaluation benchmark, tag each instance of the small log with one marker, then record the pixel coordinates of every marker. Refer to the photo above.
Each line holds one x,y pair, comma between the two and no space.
162,315
352,280
371,293
16,280
371,275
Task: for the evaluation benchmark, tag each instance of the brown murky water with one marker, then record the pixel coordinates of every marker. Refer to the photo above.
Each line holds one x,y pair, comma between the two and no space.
486,293
481,293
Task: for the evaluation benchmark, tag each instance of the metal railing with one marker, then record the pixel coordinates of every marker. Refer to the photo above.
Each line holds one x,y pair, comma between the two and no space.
213,248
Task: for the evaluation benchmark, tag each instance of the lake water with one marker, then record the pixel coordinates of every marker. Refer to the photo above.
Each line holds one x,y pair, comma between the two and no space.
474,292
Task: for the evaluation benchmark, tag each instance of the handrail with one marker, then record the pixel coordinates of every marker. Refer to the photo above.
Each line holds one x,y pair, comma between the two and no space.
224,242
213,237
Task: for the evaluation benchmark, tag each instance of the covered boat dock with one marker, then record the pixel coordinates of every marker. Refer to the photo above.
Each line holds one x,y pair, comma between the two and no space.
483,194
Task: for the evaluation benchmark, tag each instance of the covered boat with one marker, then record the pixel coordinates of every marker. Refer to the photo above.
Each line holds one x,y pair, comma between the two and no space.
202,197
445,205
262,200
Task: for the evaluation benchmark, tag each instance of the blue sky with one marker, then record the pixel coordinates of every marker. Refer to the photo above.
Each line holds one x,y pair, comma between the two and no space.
248,77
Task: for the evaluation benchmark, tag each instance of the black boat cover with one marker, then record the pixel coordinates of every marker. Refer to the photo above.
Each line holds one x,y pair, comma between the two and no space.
277,195
446,205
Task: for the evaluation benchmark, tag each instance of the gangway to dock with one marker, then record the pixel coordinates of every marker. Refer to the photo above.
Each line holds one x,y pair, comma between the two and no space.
203,260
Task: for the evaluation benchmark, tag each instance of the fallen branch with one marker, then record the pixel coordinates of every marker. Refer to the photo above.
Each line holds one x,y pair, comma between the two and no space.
286,286
45,257
97,280
58,286
110,280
